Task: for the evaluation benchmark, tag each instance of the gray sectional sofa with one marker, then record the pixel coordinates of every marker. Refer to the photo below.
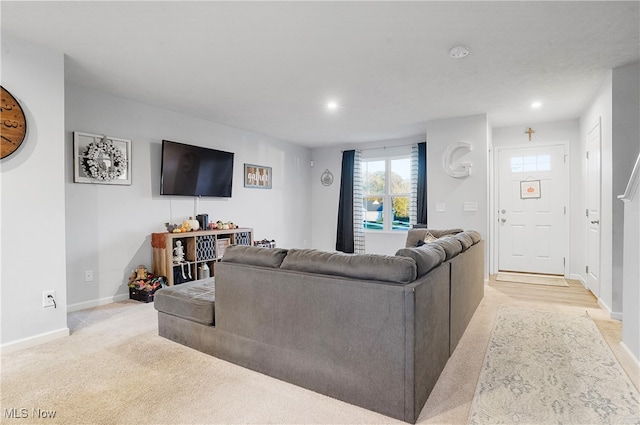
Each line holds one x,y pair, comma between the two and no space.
375,331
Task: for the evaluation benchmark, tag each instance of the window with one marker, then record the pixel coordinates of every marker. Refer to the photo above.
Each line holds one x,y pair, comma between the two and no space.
387,191
523,164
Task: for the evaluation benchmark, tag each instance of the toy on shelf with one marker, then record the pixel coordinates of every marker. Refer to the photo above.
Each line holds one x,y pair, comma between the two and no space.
194,225
265,243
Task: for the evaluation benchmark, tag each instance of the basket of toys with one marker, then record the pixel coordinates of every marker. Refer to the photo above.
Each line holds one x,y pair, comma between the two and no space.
143,285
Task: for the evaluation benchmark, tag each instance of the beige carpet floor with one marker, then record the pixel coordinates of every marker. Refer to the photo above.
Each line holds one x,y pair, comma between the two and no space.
115,369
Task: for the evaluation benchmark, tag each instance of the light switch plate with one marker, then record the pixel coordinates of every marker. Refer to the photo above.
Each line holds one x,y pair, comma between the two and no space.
471,206
440,207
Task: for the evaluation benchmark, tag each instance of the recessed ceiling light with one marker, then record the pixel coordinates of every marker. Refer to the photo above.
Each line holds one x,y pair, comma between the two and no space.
332,105
458,52
536,105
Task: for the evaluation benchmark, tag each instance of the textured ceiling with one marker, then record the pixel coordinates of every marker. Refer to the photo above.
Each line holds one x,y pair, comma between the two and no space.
270,67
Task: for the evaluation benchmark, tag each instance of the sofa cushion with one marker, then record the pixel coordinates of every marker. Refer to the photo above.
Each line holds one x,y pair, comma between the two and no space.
440,250
254,256
427,257
465,240
440,233
192,300
451,246
382,268
475,236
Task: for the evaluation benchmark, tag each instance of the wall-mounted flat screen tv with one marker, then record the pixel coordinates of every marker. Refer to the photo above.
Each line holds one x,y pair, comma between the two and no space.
195,171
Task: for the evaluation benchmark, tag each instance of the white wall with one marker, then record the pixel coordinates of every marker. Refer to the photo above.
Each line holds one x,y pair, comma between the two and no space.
550,132
617,105
625,148
440,186
601,108
626,245
454,192
109,227
32,211
324,212
631,276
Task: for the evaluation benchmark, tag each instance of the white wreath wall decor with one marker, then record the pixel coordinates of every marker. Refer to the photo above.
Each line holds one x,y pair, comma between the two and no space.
94,156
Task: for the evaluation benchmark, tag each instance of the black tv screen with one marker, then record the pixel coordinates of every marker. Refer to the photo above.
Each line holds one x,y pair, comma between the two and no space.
195,171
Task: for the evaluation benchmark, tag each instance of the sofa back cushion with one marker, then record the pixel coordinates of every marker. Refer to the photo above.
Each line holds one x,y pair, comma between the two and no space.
451,246
465,240
427,257
475,236
254,256
358,266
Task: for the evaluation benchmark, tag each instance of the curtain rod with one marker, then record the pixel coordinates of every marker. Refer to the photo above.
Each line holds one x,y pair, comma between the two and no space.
383,147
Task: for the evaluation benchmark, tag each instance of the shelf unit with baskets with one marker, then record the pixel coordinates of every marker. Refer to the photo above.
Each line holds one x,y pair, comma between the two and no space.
202,250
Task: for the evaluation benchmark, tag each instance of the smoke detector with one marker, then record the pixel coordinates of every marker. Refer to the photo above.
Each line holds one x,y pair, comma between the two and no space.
458,52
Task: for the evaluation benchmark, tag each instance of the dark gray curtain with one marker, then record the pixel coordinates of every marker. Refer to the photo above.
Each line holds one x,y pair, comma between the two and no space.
422,184
344,237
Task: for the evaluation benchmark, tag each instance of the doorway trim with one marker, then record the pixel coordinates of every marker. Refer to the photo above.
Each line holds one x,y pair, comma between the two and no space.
493,214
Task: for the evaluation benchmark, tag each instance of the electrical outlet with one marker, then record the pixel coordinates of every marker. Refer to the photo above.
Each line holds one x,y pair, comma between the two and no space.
49,299
88,276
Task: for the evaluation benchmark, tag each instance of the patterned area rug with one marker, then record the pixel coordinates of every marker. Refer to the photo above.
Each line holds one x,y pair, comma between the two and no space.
551,368
536,279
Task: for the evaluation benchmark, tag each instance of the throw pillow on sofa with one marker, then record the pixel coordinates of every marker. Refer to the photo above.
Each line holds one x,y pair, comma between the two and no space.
416,236
428,238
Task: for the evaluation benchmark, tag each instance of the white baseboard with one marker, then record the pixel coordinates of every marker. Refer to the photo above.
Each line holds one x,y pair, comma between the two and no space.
96,303
633,357
604,306
616,315
578,277
21,344
612,314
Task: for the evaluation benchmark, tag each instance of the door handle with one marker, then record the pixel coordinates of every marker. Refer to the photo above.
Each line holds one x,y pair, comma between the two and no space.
595,222
503,220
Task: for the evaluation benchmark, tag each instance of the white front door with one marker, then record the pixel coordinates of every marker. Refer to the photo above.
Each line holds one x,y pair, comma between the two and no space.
532,209
593,209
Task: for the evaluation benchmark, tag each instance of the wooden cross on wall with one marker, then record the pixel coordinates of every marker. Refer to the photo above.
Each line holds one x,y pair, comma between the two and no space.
529,132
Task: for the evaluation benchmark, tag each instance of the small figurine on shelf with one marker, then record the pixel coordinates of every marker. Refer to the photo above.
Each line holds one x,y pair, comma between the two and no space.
178,258
178,253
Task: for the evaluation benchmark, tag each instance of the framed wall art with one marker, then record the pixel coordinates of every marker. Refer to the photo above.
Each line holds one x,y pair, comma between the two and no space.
101,159
257,176
530,189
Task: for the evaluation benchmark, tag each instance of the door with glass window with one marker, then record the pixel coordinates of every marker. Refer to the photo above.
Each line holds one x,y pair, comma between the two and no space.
532,209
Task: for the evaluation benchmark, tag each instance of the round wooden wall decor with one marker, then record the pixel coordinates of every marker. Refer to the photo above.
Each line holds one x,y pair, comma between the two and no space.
13,124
